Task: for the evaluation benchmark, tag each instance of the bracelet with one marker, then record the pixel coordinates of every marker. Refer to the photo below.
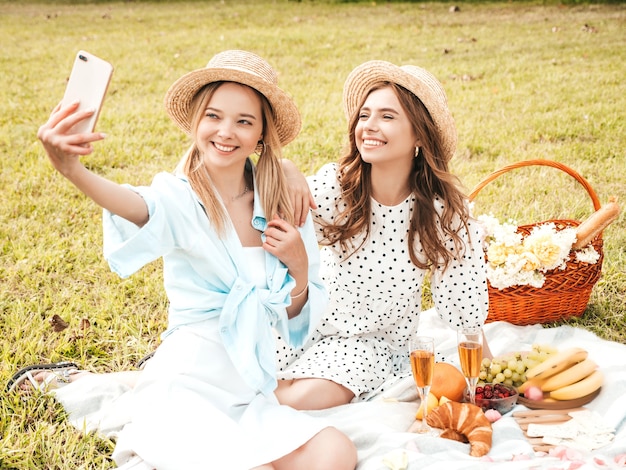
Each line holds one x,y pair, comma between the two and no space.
301,293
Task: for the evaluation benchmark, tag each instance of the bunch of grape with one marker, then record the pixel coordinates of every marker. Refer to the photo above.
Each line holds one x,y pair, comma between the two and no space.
510,369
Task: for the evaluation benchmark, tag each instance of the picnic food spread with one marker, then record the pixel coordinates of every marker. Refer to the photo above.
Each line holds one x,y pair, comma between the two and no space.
553,384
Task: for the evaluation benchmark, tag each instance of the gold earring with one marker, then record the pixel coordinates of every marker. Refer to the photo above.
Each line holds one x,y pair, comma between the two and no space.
417,152
260,148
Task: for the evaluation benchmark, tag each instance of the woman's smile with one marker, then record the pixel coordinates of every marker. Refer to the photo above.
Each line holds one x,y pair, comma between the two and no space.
224,148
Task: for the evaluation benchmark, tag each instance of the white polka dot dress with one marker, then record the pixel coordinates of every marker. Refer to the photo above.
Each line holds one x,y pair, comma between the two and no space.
375,298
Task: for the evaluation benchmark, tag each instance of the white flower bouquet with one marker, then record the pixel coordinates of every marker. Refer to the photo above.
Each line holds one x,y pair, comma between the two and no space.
514,258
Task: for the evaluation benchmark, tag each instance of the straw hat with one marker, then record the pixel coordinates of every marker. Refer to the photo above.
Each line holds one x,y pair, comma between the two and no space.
418,81
240,67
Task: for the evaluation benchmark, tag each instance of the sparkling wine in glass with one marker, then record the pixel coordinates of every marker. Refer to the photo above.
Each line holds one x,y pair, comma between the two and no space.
422,356
470,343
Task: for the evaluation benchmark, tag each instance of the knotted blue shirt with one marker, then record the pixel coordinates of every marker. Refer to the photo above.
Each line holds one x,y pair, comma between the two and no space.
206,276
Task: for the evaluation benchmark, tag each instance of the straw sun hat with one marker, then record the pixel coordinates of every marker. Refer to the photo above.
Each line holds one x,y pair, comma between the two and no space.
418,81
240,67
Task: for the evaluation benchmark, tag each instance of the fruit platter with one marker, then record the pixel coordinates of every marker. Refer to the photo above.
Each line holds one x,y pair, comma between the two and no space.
547,378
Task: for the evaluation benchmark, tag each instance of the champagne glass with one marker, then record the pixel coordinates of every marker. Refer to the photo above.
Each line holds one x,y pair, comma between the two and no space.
470,343
422,356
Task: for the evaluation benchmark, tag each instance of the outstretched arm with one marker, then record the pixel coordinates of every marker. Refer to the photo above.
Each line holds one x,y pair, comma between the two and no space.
299,190
64,150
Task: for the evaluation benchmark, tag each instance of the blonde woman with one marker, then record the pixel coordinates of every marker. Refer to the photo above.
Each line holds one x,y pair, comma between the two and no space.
235,268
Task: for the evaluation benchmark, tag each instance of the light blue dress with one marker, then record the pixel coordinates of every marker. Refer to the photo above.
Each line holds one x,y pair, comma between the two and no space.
206,398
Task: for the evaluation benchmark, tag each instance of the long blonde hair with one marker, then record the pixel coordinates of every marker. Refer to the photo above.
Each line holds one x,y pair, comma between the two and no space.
271,183
430,178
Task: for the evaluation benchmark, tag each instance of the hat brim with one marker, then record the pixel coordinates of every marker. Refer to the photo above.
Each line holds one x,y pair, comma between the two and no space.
179,96
418,81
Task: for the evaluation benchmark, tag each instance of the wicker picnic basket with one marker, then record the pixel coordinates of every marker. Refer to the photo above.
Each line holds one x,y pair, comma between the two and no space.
566,292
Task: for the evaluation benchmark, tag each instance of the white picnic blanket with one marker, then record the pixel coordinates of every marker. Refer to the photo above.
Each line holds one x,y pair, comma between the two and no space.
378,427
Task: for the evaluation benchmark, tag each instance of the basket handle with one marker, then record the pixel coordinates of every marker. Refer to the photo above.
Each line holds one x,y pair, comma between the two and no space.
523,163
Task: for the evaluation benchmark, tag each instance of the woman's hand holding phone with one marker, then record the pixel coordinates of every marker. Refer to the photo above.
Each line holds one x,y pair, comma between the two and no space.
68,133
88,84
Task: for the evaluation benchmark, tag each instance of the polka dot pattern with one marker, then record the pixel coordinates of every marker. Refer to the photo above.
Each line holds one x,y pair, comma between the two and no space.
375,298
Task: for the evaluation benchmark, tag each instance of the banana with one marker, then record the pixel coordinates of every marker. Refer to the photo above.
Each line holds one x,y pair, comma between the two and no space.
530,383
588,385
557,362
569,376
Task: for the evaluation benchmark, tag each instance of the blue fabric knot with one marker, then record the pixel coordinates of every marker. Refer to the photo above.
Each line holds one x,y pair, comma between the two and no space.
246,324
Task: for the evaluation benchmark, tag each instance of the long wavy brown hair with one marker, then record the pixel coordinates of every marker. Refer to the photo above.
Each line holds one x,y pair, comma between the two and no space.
271,182
430,178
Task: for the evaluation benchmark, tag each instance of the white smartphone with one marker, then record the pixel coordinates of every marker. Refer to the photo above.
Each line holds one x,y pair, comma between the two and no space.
88,84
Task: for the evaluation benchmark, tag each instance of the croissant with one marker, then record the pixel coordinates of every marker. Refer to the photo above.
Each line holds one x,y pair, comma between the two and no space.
463,422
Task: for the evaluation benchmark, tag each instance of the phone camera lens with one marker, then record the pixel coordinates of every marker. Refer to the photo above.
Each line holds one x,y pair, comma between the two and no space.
82,57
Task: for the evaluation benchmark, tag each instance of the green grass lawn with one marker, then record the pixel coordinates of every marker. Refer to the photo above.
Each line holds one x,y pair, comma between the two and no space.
524,81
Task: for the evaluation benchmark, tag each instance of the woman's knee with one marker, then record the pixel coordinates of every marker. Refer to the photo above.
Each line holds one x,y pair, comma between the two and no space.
337,451
328,449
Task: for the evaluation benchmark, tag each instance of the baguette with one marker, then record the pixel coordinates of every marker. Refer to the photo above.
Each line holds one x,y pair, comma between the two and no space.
596,223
